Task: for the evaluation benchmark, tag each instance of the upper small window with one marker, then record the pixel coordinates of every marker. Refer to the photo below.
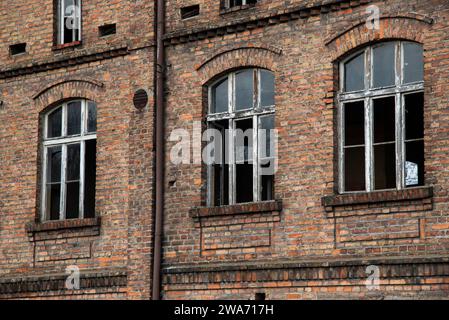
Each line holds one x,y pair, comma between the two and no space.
69,161
69,21
381,118
227,4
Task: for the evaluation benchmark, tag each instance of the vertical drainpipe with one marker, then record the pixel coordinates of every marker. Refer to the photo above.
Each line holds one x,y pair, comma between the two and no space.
160,154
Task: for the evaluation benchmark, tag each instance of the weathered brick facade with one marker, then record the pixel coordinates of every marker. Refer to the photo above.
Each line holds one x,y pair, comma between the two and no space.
314,244
308,243
114,253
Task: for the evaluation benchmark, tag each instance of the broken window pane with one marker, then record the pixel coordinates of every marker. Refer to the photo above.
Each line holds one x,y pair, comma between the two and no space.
266,88
267,179
354,169
414,165
384,65
90,174
354,123
244,183
384,119
220,97
91,117
385,166
220,170
54,128
53,200
74,118
243,158
414,116
355,73
413,62
72,200
244,89
244,140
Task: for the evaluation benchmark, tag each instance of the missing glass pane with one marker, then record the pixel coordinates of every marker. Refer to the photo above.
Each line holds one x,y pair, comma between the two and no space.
354,169
414,116
220,170
384,65
244,89
354,123
384,120
414,166
266,137
413,62
53,200
220,100
72,200
244,140
385,166
244,183
355,73
267,181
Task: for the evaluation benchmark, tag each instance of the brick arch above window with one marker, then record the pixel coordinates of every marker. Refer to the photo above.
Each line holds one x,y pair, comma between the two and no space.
410,27
242,57
68,89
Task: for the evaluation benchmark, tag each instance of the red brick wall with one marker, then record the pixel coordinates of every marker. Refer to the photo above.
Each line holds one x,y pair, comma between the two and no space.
107,71
301,47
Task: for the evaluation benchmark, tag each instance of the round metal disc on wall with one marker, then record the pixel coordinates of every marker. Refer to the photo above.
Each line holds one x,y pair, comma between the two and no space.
140,99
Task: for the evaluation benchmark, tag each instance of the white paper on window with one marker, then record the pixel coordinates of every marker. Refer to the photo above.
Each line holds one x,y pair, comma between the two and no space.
411,173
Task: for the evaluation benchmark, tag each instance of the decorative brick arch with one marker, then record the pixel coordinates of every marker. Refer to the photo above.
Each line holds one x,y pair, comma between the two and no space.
262,57
411,27
67,89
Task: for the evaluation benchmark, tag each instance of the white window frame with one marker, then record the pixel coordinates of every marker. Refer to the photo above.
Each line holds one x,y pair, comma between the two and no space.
61,20
232,115
64,141
399,90
228,3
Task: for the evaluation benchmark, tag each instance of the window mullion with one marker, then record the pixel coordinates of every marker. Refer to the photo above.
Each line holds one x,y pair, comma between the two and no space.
62,211
256,178
341,133
400,142
82,176
44,215
369,161
231,160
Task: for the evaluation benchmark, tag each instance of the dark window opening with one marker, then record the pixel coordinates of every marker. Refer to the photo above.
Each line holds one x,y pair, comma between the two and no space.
260,296
244,160
16,49
90,174
237,3
107,30
220,168
190,11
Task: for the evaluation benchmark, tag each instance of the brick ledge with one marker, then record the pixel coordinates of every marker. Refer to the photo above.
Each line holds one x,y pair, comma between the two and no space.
329,202
274,206
63,224
44,283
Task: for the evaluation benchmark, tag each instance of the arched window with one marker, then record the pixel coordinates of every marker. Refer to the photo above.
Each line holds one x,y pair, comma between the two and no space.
241,119
69,161
381,130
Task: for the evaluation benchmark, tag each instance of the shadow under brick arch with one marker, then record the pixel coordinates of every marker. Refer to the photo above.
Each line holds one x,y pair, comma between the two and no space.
410,27
68,89
221,62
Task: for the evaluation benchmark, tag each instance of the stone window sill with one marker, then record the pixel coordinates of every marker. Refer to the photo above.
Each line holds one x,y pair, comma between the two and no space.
377,197
64,228
275,207
66,45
